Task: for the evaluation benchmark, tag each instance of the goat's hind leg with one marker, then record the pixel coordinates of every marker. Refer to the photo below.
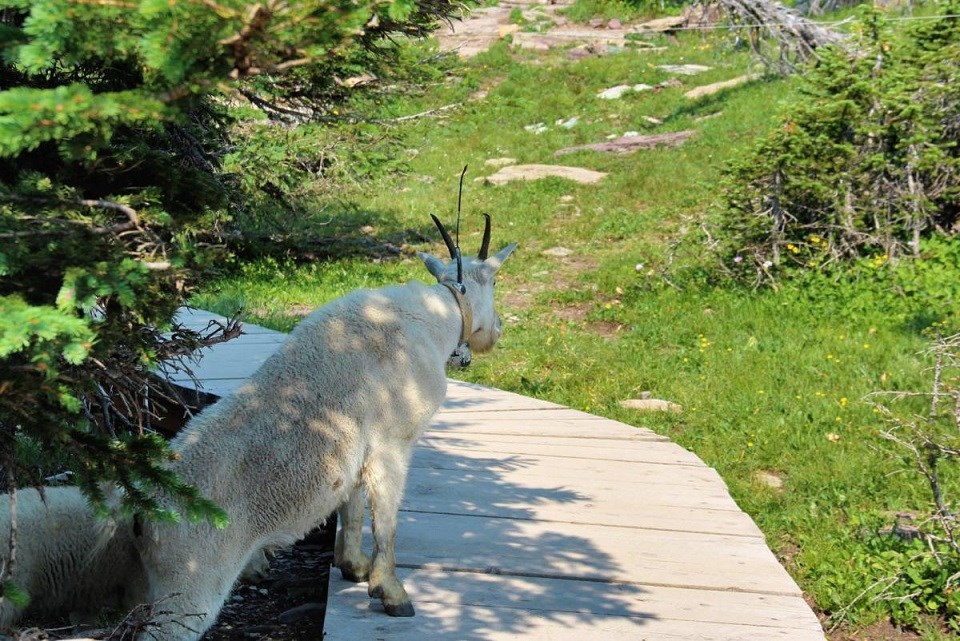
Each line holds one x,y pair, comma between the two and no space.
348,556
385,476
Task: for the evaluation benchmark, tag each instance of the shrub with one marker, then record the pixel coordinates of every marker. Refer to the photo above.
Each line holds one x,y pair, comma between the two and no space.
864,163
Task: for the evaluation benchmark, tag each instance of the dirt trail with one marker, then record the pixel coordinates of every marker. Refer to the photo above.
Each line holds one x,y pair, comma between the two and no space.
544,28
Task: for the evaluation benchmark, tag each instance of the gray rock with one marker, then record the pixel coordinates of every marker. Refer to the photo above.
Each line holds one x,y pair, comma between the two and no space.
559,252
769,479
684,70
301,612
613,93
500,162
651,405
534,172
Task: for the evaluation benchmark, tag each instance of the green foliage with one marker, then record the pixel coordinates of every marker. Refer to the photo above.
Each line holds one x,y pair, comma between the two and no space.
585,10
891,572
864,163
15,594
120,189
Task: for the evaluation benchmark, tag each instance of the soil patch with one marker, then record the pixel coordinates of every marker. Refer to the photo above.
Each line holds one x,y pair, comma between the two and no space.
289,604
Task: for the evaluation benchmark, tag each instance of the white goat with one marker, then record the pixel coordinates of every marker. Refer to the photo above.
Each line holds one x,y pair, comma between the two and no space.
61,562
338,407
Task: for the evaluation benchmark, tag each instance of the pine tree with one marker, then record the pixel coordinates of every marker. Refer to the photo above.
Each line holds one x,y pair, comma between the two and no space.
112,122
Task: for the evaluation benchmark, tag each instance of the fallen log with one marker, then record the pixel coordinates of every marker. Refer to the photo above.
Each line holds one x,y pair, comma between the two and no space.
629,144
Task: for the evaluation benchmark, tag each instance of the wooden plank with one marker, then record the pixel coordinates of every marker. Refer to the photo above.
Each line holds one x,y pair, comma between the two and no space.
572,550
684,486
540,422
507,496
351,615
224,367
540,594
469,397
589,473
645,452
198,319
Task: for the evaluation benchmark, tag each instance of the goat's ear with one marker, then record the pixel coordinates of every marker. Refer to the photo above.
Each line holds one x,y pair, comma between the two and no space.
497,259
434,265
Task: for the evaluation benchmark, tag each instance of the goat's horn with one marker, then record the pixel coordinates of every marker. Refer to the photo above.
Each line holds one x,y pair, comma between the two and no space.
485,244
446,236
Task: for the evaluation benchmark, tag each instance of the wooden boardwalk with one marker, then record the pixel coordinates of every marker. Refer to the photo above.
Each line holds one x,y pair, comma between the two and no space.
526,519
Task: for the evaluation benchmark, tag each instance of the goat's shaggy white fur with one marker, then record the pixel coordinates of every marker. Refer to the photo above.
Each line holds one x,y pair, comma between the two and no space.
338,407
61,562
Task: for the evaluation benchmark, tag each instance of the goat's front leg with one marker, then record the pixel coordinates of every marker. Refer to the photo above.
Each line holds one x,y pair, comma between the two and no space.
347,554
385,474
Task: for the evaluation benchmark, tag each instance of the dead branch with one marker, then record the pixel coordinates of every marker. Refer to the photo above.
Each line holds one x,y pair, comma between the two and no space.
132,222
796,38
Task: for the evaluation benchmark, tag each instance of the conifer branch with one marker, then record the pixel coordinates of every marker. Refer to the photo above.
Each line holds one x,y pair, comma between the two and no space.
132,222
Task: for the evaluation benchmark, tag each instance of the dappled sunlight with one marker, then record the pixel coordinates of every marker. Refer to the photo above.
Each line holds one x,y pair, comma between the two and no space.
470,534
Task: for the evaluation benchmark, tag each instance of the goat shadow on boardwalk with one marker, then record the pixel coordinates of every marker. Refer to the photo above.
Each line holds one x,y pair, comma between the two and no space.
473,538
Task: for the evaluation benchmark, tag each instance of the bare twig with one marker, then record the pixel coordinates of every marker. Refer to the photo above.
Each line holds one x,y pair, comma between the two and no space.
11,563
132,222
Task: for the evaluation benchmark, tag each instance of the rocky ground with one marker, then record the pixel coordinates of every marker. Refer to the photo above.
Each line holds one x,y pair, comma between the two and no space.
288,604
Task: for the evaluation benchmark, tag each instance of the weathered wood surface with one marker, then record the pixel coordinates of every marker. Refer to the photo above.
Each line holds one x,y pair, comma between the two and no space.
525,519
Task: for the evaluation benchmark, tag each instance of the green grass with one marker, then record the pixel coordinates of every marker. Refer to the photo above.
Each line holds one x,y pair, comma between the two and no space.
770,381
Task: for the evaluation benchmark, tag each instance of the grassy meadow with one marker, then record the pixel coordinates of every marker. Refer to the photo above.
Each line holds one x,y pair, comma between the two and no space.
773,382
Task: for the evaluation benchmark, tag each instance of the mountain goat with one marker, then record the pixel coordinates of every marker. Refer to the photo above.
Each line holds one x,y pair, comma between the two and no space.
61,563
338,407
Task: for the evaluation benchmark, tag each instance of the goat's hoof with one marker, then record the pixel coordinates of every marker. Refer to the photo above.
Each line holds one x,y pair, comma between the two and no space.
399,610
351,572
375,591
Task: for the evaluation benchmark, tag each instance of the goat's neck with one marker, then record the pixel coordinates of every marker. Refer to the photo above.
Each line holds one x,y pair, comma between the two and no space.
466,311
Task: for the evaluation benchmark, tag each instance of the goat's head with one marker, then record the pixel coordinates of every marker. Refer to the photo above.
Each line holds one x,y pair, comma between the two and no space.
478,279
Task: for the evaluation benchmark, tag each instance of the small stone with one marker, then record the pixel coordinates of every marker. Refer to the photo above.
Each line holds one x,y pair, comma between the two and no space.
569,123
652,120
578,53
595,23
566,198
368,230
651,405
259,630
356,81
507,29
613,93
263,591
301,612
558,252
499,162
684,70
614,24
535,172
237,598
769,479
631,134
537,128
